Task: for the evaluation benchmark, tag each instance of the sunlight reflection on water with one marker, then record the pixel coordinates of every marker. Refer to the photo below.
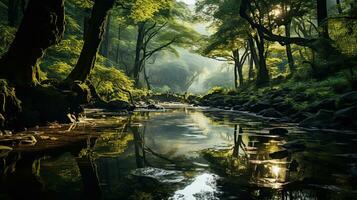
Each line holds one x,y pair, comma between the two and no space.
203,187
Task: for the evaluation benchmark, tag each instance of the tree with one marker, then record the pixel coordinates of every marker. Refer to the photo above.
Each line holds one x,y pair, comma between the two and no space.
139,10
166,29
92,40
230,41
41,27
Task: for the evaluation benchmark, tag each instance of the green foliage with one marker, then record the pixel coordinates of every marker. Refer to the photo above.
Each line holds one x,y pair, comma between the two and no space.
7,35
111,83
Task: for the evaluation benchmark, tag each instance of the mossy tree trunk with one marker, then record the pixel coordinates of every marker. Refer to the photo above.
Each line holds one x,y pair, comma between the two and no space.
93,38
253,56
289,53
41,27
322,15
263,73
105,47
138,53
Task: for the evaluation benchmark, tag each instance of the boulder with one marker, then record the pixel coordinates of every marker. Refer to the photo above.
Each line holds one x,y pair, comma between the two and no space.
237,107
155,107
118,105
348,99
300,116
322,119
300,97
327,104
278,100
346,118
259,107
284,108
271,112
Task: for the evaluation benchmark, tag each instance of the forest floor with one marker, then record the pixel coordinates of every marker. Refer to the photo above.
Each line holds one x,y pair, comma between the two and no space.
329,104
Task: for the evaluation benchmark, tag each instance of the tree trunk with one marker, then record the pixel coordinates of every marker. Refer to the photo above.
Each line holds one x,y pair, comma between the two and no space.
117,56
289,53
41,27
236,63
86,22
322,15
238,69
92,41
106,40
253,51
138,50
251,68
146,79
240,74
339,7
263,73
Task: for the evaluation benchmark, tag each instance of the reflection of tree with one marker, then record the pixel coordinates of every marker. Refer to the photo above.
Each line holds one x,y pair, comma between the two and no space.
139,147
88,170
238,142
142,151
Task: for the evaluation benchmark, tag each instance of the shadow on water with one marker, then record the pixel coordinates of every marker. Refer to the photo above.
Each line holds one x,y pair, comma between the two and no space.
187,154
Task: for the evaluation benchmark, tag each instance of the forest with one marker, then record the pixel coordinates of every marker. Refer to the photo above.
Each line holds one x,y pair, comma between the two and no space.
133,95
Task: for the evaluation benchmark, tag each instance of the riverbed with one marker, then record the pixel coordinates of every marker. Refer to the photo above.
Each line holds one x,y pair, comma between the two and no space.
185,153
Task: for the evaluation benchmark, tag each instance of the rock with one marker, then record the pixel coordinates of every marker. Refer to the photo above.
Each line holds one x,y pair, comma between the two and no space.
322,119
155,107
346,118
284,108
348,99
327,104
277,100
300,116
118,105
279,154
300,97
279,131
346,113
271,112
259,107
237,107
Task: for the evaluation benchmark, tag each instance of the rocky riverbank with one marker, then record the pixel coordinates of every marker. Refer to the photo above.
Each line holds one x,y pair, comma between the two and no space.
336,112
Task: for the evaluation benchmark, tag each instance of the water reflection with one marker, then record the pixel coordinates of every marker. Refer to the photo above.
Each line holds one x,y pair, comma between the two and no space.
185,154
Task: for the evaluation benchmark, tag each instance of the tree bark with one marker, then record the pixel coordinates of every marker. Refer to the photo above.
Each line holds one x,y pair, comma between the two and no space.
92,40
263,73
106,40
236,63
238,69
322,15
138,53
251,68
148,86
41,27
289,53
253,51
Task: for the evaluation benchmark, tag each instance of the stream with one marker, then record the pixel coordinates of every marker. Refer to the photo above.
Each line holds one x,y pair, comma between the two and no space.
186,153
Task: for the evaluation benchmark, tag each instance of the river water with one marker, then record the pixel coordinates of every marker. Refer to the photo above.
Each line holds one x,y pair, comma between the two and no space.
188,153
